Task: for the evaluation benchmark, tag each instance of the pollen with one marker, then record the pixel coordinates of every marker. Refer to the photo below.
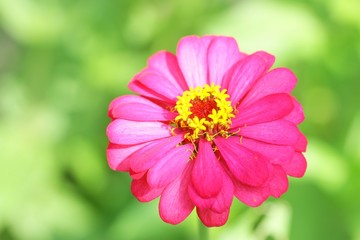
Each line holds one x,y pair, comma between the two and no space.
204,112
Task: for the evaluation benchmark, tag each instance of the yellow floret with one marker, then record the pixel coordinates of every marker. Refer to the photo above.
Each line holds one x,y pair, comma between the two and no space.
219,119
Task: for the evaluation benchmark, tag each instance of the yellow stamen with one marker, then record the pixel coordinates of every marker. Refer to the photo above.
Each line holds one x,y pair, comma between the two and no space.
204,112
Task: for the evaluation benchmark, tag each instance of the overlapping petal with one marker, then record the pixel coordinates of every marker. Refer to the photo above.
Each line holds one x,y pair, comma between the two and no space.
175,204
192,57
224,199
211,218
126,132
301,143
170,166
267,109
136,108
210,187
167,65
249,195
276,154
296,116
278,183
245,165
207,176
117,155
296,167
223,52
143,192
279,132
150,154
150,83
244,73
278,80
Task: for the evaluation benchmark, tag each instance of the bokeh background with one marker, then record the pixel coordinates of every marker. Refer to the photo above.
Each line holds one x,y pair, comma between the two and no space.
63,61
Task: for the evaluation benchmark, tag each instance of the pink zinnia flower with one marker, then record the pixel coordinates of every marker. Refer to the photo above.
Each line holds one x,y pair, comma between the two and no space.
210,123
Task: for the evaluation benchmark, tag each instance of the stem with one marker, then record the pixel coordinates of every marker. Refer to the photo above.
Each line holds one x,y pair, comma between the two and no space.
203,232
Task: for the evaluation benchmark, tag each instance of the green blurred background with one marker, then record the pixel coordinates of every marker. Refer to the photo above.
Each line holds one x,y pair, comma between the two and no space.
63,61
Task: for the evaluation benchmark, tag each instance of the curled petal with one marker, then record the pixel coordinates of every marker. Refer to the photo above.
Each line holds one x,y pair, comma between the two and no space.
143,192
224,199
212,219
219,203
296,116
136,175
297,166
198,200
279,182
301,143
269,59
175,204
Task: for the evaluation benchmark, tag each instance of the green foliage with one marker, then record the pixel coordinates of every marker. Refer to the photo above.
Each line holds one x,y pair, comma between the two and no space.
62,62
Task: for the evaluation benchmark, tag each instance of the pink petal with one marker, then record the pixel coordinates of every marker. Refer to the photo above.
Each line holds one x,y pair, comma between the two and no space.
136,175
170,166
268,58
266,109
251,196
245,165
143,192
279,132
136,108
207,173
126,132
279,182
192,57
146,157
224,199
223,52
296,116
219,203
117,155
301,143
297,166
198,200
166,63
278,80
212,219
175,204
276,154
243,74
152,84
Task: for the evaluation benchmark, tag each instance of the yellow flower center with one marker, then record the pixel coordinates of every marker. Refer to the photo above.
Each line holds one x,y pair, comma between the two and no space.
204,112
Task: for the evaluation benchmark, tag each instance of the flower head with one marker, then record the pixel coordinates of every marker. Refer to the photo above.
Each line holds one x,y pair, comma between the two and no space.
208,124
